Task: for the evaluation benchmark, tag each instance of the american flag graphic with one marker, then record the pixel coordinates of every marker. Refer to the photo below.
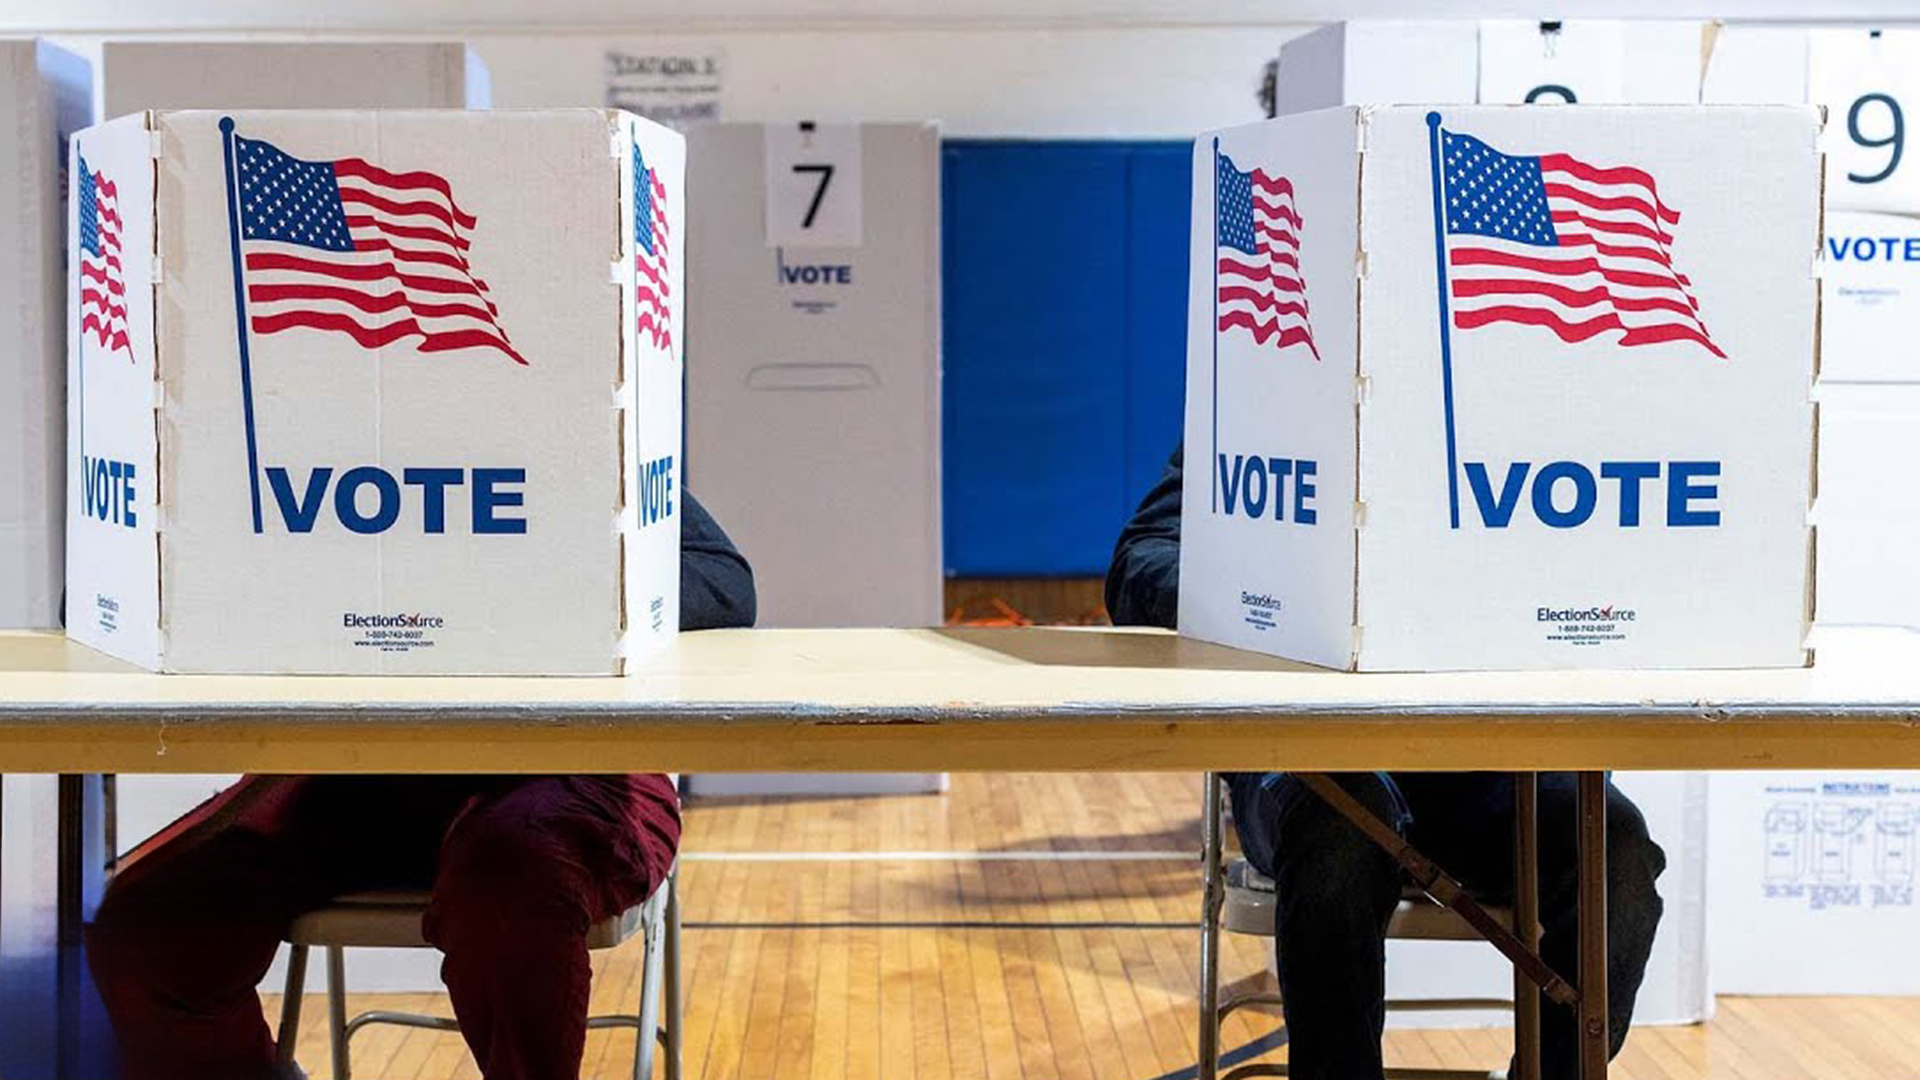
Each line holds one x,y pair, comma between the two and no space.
1258,237
1554,242
348,247
652,291
103,281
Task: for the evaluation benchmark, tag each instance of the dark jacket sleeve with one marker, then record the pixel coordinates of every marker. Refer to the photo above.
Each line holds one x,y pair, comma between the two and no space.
1143,584
716,584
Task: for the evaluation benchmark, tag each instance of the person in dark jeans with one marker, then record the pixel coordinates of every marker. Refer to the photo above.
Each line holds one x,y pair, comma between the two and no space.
1336,890
520,868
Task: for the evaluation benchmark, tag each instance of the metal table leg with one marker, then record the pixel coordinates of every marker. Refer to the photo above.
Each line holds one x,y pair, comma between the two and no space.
1212,896
1442,887
1593,926
1526,922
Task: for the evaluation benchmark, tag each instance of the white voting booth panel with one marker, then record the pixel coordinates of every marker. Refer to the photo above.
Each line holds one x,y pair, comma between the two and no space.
1438,463
1867,517
45,96
813,380
376,416
814,365
137,75
1591,61
1492,62
1380,62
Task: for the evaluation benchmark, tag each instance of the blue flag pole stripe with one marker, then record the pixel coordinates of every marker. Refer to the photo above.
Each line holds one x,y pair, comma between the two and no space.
228,138
1446,335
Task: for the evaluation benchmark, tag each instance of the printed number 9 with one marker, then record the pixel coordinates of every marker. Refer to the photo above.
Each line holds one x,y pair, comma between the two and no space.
1897,140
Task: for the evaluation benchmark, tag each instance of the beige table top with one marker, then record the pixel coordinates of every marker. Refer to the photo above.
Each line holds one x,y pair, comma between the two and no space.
925,700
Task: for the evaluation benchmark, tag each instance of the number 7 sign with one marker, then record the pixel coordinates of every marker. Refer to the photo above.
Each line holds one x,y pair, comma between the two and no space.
813,185
1869,81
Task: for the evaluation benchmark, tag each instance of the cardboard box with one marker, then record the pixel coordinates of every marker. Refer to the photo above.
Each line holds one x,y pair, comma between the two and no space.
814,407
1560,459
390,392
141,75
45,96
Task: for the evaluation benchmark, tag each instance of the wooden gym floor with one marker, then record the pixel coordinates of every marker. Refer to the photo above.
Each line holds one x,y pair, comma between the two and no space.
1024,959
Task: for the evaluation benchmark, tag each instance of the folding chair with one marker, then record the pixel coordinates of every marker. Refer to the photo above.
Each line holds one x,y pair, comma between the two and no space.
391,919
1241,900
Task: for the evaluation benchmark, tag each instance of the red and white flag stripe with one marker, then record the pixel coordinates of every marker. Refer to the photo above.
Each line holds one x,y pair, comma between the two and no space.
653,292
1264,293
408,274
1612,271
103,279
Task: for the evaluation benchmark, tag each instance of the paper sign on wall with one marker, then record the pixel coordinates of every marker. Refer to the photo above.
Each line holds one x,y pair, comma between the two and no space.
1869,84
674,89
1816,867
1589,62
813,185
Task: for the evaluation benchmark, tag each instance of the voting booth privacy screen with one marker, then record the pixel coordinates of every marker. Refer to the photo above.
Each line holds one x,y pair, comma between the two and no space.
1493,62
813,393
45,96
1540,382
388,392
139,75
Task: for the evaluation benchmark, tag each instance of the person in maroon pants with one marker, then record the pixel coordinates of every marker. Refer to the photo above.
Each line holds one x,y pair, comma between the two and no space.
520,868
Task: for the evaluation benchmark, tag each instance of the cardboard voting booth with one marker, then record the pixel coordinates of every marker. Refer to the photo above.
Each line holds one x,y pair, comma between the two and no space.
1493,62
388,392
1379,62
1592,61
1503,388
813,396
140,75
45,96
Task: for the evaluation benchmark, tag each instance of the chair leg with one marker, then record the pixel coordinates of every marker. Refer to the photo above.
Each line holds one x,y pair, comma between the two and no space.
337,1012
655,929
670,957
1212,896
288,1035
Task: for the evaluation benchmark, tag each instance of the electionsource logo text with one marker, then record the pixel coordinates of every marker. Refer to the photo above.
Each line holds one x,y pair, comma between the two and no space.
1610,613
408,621
1259,600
